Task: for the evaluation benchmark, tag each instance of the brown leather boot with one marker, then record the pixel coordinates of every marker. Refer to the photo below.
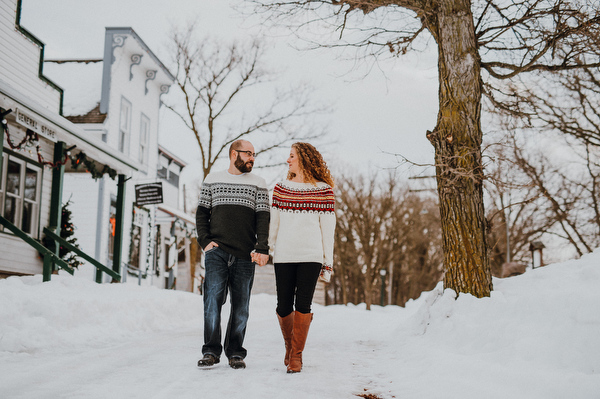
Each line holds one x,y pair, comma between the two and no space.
287,329
301,325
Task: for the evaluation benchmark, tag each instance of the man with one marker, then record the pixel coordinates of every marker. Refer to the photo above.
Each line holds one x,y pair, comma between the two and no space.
232,221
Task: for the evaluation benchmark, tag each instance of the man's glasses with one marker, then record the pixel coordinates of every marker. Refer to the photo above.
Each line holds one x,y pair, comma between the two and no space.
247,152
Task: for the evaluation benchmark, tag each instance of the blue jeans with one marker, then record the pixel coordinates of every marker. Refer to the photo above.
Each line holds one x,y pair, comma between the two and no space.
224,271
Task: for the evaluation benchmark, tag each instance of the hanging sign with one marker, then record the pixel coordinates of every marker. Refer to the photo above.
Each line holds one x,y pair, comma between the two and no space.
35,124
148,194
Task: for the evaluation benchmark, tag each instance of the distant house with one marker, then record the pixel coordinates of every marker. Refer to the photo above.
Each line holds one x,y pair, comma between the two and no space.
116,99
175,228
34,158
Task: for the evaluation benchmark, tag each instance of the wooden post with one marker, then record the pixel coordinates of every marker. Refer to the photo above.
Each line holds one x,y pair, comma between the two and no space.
48,266
58,174
98,276
119,221
3,113
1,148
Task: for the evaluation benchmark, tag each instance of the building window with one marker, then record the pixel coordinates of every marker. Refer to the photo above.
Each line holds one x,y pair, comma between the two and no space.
144,134
112,227
163,166
168,170
174,172
20,193
124,126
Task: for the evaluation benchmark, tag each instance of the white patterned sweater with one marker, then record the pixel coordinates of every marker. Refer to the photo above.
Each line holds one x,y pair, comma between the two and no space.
302,224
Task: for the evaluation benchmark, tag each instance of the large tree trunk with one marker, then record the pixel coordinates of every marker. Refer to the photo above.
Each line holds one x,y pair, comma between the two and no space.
457,141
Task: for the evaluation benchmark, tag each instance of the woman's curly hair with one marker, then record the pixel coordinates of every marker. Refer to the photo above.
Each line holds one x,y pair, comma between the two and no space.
312,164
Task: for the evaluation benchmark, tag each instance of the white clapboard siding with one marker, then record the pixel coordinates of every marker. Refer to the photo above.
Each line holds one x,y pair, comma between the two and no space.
7,14
20,60
17,256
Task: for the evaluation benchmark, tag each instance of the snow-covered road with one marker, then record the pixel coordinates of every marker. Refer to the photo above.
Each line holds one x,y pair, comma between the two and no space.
537,337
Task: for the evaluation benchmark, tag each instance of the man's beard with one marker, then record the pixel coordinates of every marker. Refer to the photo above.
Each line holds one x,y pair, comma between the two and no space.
242,166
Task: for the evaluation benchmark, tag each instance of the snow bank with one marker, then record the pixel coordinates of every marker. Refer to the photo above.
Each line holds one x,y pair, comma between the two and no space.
545,316
71,312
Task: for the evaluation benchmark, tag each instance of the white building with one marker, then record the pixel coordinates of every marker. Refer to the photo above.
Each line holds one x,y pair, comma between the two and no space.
116,99
34,156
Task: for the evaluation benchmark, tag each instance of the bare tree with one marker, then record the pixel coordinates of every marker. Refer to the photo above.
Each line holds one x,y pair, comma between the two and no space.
552,104
569,104
365,216
381,226
543,194
480,45
515,212
570,196
418,261
226,95
564,101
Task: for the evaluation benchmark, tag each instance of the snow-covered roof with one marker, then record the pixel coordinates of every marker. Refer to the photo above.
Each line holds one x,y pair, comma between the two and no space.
81,81
169,154
66,130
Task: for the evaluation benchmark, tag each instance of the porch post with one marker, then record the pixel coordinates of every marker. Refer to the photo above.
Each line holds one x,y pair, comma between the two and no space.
58,175
119,221
3,113
1,148
48,266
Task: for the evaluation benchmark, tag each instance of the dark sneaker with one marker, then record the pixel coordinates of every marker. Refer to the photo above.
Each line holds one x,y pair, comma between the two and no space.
208,360
237,363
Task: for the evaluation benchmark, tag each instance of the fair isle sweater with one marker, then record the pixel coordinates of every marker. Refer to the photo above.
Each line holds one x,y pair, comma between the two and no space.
302,223
233,211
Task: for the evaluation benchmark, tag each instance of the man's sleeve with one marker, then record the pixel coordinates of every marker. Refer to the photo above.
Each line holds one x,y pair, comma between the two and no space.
203,216
263,216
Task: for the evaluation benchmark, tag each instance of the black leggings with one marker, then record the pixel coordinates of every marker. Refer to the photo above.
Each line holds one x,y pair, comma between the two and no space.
295,280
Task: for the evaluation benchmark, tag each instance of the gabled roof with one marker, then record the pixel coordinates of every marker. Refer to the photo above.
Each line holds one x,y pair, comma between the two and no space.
115,37
129,31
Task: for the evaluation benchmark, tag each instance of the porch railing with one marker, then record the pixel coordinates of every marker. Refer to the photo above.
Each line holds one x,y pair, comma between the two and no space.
82,254
50,258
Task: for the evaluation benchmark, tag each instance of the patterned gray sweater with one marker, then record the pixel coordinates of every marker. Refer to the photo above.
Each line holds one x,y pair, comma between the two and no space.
233,211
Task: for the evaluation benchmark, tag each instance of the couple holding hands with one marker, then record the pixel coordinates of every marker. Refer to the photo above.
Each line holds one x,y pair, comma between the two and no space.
237,228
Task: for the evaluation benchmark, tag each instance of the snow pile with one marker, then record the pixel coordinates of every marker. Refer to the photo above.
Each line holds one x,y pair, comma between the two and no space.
70,313
537,336
548,317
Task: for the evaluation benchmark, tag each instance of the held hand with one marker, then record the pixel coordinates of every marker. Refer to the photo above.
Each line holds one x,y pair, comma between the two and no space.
260,259
210,246
256,258
263,259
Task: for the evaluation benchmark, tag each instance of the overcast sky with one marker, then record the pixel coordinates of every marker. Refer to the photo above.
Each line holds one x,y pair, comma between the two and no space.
387,111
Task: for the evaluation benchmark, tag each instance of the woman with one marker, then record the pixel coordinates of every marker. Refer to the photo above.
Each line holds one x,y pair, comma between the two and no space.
301,238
